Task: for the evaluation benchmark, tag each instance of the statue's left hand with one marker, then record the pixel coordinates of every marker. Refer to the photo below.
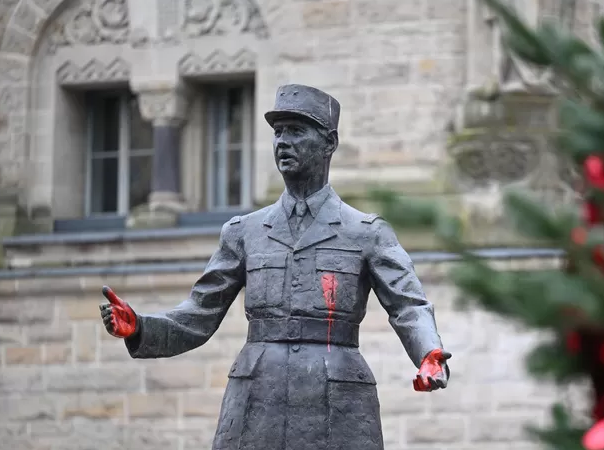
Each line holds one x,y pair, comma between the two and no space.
433,372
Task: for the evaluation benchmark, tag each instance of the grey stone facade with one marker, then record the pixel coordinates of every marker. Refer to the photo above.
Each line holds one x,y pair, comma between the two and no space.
404,72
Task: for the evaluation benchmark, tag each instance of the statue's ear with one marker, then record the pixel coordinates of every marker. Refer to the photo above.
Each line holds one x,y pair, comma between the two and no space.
332,143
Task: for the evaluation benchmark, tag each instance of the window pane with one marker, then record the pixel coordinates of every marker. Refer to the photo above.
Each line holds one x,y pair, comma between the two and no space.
235,115
140,179
234,174
106,126
141,131
104,185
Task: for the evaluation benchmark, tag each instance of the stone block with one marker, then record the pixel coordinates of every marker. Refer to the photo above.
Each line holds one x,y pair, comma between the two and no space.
402,400
27,408
99,379
453,11
175,377
112,349
500,428
151,406
80,308
49,334
57,354
382,73
335,44
204,404
17,42
371,12
448,430
326,14
93,406
219,375
11,335
20,380
23,355
27,311
86,342
323,75
150,438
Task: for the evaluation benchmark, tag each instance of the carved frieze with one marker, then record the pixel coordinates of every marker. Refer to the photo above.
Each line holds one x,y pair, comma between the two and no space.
163,105
217,62
220,17
91,22
93,72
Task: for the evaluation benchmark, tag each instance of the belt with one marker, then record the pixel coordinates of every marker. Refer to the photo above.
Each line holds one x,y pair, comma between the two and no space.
304,329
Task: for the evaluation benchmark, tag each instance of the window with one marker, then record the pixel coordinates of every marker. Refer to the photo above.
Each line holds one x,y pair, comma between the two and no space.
120,154
229,162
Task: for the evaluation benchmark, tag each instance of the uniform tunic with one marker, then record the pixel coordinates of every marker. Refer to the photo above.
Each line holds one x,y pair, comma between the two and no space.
300,382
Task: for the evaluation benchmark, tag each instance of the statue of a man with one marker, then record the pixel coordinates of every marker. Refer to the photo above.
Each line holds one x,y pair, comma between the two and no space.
308,263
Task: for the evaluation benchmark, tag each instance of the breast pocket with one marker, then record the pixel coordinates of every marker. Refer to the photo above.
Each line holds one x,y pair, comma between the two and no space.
265,279
338,276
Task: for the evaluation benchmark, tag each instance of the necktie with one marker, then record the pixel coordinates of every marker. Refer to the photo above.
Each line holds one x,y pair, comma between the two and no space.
300,210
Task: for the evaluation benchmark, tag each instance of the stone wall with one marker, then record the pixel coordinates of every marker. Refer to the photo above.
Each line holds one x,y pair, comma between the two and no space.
66,384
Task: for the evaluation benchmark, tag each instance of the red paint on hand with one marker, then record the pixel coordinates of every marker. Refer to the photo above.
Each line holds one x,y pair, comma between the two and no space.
123,317
431,371
330,285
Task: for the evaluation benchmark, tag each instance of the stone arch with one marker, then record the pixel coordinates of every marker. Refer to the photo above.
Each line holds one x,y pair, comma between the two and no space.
36,51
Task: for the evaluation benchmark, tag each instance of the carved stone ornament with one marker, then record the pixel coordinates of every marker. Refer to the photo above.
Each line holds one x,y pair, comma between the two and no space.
164,105
219,17
91,22
94,72
217,62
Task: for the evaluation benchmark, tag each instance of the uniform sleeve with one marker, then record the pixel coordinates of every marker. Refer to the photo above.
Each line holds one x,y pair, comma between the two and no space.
193,322
400,293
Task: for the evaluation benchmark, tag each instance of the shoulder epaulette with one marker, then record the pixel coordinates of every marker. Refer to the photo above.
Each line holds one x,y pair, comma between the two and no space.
370,218
234,220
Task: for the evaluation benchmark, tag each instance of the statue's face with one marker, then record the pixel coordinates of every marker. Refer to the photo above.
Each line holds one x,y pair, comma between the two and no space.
299,147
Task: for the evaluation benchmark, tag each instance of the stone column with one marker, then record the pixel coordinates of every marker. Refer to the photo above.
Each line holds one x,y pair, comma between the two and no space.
166,107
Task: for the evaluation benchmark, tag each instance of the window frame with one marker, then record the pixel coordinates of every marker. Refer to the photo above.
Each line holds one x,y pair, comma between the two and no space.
123,153
216,109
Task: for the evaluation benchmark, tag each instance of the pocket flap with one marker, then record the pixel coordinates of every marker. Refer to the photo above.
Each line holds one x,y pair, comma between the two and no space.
348,368
330,261
245,364
257,261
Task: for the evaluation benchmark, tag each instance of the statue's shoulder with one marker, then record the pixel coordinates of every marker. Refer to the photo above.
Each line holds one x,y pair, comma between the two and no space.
234,220
359,216
370,218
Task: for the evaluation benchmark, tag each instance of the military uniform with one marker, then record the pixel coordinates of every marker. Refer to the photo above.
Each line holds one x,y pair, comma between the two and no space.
300,382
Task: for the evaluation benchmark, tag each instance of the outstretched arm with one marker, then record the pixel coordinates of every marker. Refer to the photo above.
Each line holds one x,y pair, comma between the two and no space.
411,315
194,321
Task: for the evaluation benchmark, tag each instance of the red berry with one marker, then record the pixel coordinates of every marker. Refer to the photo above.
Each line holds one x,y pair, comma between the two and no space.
594,171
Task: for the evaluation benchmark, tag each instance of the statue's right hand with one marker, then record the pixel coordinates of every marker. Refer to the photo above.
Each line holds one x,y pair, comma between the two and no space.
119,318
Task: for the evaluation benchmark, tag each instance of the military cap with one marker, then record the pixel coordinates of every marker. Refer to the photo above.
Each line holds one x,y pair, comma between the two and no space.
305,101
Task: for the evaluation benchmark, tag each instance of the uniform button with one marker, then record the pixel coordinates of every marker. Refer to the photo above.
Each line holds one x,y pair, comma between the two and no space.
295,283
295,347
360,375
296,257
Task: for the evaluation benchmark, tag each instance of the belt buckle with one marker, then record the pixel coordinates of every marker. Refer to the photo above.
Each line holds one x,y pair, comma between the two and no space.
294,329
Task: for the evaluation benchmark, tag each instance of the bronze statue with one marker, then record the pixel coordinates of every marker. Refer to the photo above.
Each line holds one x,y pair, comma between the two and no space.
308,263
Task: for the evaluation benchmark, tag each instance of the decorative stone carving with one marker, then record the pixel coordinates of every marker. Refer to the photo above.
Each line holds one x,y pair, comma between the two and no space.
511,73
91,22
94,72
217,62
204,17
163,105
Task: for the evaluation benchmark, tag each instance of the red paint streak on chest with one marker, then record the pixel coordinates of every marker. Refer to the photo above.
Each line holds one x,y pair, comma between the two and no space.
330,285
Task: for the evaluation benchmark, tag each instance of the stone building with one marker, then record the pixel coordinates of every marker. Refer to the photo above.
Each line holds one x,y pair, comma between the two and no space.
130,130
